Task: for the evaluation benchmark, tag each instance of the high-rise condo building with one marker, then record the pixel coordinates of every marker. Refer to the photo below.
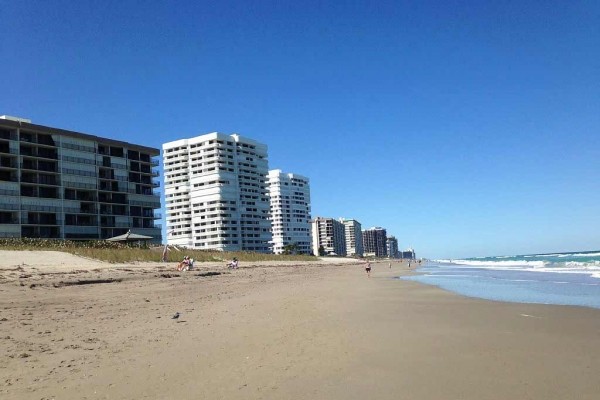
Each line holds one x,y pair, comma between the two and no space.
290,212
216,193
392,247
328,233
409,253
353,232
61,184
375,242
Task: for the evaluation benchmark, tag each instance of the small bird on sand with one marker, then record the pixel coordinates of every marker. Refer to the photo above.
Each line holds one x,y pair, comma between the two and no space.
175,316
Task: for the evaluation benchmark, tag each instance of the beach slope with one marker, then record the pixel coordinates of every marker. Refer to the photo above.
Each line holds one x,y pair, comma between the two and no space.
302,330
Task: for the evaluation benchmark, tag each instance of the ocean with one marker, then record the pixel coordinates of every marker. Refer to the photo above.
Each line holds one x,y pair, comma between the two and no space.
558,278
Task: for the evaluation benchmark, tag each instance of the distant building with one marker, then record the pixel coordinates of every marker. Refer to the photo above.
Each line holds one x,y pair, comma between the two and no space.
62,184
392,247
328,233
353,232
289,196
410,254
216,193
375,241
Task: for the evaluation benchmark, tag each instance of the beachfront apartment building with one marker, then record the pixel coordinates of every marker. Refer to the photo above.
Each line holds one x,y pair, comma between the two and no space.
289,196
328,234
216,193
392,247
409,254
375,241
60,184
353,233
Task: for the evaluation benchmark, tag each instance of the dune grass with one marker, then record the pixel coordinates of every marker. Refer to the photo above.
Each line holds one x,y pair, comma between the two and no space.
124,253
155,255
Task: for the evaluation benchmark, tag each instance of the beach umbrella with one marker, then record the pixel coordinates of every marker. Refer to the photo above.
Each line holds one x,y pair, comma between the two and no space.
129,237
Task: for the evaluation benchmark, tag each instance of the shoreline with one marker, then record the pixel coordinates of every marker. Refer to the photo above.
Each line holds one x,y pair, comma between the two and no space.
539,287
272,332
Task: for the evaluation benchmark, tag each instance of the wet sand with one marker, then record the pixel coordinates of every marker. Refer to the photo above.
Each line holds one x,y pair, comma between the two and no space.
318,331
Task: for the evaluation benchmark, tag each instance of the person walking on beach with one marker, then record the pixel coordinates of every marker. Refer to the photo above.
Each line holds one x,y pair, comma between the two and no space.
368,268
390,265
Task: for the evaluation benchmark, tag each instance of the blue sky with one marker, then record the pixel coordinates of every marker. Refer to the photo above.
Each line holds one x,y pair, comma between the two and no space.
464,128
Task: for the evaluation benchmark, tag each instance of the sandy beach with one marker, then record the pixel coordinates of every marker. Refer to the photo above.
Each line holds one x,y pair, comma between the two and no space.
80,329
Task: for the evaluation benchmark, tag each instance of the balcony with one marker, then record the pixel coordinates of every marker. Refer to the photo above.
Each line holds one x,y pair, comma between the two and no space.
6,149
105,211
80,220
10,218
46,232
8,162
41,179
37,138
87,208
40,219
133,155
35,165
9,206
8,134
148,225
106,174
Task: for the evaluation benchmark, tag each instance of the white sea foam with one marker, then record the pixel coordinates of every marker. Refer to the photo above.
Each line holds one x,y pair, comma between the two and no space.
585,255
591,268
496,264
583,264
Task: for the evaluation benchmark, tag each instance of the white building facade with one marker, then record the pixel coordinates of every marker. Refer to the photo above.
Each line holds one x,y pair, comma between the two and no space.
353,232
290,211
216,193
328,233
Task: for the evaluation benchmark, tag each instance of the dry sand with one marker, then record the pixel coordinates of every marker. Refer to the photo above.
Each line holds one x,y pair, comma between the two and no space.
318,331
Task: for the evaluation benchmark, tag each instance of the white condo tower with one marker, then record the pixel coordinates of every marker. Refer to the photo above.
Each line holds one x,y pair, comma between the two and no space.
216,193
290,211
354,243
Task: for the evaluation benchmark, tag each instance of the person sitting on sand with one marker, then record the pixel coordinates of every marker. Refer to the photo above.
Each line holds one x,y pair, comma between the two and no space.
184,264
233,264
189,265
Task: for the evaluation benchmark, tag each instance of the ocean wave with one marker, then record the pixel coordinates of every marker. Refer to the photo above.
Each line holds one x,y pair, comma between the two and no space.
590,268
564,255
583,264
585,255
595,254
585,268
495,264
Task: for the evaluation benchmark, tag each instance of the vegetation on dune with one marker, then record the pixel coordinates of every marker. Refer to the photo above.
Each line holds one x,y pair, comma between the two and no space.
131,252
